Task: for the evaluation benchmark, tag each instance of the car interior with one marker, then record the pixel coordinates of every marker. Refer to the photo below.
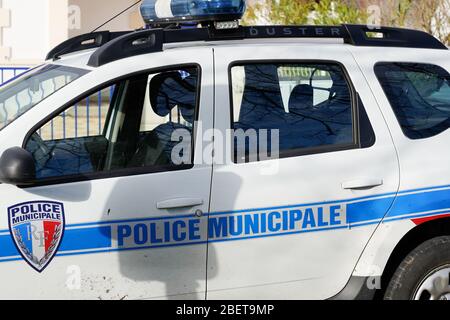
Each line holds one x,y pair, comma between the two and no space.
170,98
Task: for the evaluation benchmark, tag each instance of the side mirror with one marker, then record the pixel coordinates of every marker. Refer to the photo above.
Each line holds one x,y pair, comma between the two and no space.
17,167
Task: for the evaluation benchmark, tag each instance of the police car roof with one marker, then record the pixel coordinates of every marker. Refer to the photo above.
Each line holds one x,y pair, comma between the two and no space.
96,49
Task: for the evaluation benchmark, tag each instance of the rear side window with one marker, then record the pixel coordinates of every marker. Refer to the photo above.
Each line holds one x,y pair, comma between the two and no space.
419,95
309,105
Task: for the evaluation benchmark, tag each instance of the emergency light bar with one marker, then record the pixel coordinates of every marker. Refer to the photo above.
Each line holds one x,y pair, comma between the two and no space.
156,12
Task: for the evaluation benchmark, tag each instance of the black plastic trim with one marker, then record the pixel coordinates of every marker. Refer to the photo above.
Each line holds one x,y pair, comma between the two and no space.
119,45
119,172
128,45
356,289
17,166
367,137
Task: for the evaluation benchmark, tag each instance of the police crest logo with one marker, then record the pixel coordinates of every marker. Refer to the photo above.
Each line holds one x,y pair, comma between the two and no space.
37,229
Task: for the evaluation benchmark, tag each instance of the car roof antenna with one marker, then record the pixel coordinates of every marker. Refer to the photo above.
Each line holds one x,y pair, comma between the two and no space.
117,15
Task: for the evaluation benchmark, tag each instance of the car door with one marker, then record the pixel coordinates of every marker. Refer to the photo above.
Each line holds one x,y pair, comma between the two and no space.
115,213
304,170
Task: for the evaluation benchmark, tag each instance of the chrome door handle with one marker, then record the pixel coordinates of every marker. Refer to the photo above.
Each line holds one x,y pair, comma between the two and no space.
362,184
179,203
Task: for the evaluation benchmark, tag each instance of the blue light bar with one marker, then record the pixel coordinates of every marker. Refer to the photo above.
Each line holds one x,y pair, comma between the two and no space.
179,11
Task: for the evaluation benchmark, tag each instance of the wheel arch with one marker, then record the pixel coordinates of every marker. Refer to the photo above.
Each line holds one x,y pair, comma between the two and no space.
425,230
389,245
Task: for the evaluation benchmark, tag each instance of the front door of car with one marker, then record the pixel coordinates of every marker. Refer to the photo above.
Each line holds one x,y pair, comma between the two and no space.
292,222
119,201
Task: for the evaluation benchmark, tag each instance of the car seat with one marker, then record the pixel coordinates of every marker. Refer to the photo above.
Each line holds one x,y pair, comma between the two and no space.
262,103
169,90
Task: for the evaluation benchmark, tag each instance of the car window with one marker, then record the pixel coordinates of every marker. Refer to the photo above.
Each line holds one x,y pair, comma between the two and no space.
145,121
419,95
23,93
308,105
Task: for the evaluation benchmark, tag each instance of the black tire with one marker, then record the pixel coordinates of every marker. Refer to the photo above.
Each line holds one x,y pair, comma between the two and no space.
415,268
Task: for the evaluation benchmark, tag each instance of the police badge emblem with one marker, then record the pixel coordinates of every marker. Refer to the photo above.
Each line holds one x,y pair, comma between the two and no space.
37,229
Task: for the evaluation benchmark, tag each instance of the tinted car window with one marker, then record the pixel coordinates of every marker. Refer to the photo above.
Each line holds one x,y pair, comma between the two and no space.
309,105
419,95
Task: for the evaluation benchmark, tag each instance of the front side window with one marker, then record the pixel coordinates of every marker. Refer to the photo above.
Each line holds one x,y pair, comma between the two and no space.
22,94
145,121
419,95
308,104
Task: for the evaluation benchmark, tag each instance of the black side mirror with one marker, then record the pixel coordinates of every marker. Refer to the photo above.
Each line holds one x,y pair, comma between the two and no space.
17,167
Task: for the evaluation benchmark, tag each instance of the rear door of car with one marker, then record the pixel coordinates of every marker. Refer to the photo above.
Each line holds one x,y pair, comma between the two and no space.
294,225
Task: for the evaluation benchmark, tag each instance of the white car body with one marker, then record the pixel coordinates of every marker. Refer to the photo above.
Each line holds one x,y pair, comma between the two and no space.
314,263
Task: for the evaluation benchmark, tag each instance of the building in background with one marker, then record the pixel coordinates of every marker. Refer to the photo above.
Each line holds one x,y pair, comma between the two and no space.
29,29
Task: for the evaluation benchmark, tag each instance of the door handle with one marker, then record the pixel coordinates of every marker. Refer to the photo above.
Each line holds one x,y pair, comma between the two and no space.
179,203
362,184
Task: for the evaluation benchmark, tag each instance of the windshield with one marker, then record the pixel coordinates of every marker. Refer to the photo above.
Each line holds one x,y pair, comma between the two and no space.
22,94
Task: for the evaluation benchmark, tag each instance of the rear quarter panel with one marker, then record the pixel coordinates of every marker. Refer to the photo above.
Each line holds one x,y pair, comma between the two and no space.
424,170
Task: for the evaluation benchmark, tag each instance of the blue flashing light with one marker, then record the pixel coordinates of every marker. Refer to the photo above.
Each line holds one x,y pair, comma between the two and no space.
179,11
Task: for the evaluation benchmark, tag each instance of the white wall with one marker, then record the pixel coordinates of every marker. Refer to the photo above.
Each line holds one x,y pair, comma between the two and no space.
27,36
96,12
37,26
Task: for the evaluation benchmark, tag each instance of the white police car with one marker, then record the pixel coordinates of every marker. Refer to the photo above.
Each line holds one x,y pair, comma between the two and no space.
228,162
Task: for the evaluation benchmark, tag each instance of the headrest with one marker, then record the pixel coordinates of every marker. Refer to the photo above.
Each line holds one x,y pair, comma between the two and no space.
262,93
302,97
170,89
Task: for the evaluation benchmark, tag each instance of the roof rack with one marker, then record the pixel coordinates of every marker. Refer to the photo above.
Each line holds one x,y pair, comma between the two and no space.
360,35
118,45
128,45
83,42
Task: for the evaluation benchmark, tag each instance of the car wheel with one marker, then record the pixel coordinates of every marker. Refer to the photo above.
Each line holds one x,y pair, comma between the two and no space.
424,274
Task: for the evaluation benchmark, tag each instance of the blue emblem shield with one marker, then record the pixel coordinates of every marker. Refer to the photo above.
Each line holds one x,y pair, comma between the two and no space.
37,229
